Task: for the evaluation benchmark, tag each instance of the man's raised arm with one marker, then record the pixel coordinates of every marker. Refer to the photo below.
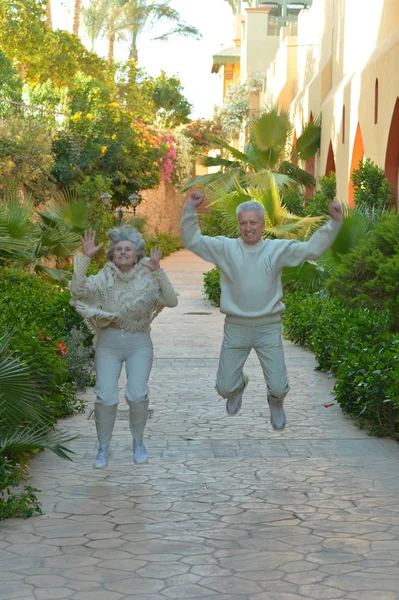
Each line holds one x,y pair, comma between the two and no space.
208,248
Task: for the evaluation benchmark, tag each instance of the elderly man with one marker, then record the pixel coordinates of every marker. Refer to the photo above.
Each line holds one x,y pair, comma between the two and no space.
251,291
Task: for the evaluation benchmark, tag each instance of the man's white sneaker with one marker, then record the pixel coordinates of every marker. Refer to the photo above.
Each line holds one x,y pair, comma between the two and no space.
139,453
277,414
234,402
101,460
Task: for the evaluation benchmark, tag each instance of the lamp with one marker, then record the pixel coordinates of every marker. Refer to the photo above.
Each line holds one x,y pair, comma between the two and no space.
106,198
134,200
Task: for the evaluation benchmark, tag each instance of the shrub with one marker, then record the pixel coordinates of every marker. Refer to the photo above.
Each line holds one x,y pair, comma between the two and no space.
212,286
80,357
372,190
22,504
294,200
368,276
355,345
26,159
39,315
165,242
318,203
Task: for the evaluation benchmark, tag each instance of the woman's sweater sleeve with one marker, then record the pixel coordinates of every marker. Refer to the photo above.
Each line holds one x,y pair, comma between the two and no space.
208,248
169,295
78,283
293,253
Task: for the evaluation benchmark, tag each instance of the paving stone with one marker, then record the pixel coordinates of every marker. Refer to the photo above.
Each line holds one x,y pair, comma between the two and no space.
226,508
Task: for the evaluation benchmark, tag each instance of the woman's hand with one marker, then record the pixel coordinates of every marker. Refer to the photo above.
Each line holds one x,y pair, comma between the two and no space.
89,244
155,257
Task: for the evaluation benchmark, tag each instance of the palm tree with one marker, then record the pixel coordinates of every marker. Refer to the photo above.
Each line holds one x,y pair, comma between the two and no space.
76,17
279,222
95,18
49,18
268,151
30,238
24,425
236,5
142,15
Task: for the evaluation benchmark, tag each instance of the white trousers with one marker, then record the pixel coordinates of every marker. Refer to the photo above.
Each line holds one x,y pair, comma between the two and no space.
238,342
115,347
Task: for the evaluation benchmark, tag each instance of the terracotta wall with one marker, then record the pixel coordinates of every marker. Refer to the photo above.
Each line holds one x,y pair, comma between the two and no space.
163,209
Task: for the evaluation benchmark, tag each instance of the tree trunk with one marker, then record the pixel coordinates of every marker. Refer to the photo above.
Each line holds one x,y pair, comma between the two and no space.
133,53
49,18
76,17
111,44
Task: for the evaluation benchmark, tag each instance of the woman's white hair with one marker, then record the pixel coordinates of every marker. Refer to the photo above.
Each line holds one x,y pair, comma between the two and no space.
125,233
251,205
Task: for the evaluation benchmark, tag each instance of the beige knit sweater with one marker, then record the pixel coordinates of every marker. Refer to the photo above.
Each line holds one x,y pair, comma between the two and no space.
129,300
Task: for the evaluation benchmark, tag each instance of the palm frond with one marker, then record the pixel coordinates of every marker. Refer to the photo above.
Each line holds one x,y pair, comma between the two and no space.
240,156
297,174
308,143
309,276
35,438
271,130
20,399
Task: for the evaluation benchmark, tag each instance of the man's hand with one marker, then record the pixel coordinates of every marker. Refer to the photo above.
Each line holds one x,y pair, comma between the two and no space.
155,257
335,210
89,244
195,199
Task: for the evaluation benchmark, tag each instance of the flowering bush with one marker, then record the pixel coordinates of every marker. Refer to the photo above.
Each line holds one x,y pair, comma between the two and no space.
26,159
103,137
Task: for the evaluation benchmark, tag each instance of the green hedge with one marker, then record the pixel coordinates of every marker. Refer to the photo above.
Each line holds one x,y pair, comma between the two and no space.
40,317
357,347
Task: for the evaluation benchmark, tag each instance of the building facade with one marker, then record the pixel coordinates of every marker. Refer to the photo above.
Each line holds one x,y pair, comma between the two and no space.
338,61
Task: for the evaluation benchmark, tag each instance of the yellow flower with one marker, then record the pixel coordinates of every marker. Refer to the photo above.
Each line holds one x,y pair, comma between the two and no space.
114,104
113,136
56,137
103,149
89,116
116,120
76,117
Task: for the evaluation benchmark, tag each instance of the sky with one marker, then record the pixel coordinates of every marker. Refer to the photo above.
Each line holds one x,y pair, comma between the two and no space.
190,59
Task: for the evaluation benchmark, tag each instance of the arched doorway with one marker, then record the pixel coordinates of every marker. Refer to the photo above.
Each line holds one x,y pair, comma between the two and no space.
357,156
392,154
330,165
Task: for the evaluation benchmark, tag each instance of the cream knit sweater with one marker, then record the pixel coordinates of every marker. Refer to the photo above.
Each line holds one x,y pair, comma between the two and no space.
250,275
130,300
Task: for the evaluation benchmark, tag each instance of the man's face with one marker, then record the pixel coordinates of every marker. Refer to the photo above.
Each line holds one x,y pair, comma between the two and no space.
251,226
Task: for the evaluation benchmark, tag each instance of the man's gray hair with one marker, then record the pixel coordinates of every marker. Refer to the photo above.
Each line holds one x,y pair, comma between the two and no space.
125,233
251,205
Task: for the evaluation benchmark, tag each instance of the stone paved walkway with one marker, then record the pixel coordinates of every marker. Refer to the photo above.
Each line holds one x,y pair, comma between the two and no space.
227,508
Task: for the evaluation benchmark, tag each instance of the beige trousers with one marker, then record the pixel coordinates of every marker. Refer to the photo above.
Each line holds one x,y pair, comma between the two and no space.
238,341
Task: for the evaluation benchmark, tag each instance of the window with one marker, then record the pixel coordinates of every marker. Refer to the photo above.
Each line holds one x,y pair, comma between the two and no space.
376,102
343,124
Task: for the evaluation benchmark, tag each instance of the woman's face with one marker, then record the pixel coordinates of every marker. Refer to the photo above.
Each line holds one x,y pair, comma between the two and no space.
124,255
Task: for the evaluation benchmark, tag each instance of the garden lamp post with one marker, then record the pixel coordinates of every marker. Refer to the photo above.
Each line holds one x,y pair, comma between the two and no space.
133,199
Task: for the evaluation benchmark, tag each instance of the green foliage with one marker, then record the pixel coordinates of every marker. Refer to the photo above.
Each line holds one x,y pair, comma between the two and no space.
294,200
184,161
39,52
268,151
213,223
372,190
41,317
102,137
173,109
212,286
80,357
10,84
318,203
31,238
354,344
368,276
26,159
165,242
22,504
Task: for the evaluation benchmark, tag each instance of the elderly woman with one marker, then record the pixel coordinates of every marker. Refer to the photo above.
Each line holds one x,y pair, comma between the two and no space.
119,304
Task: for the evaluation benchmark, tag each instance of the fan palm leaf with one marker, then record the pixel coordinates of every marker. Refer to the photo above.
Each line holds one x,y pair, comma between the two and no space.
32,439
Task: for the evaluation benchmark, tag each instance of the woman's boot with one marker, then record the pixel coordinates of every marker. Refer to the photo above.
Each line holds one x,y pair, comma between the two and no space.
104,417
138,412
